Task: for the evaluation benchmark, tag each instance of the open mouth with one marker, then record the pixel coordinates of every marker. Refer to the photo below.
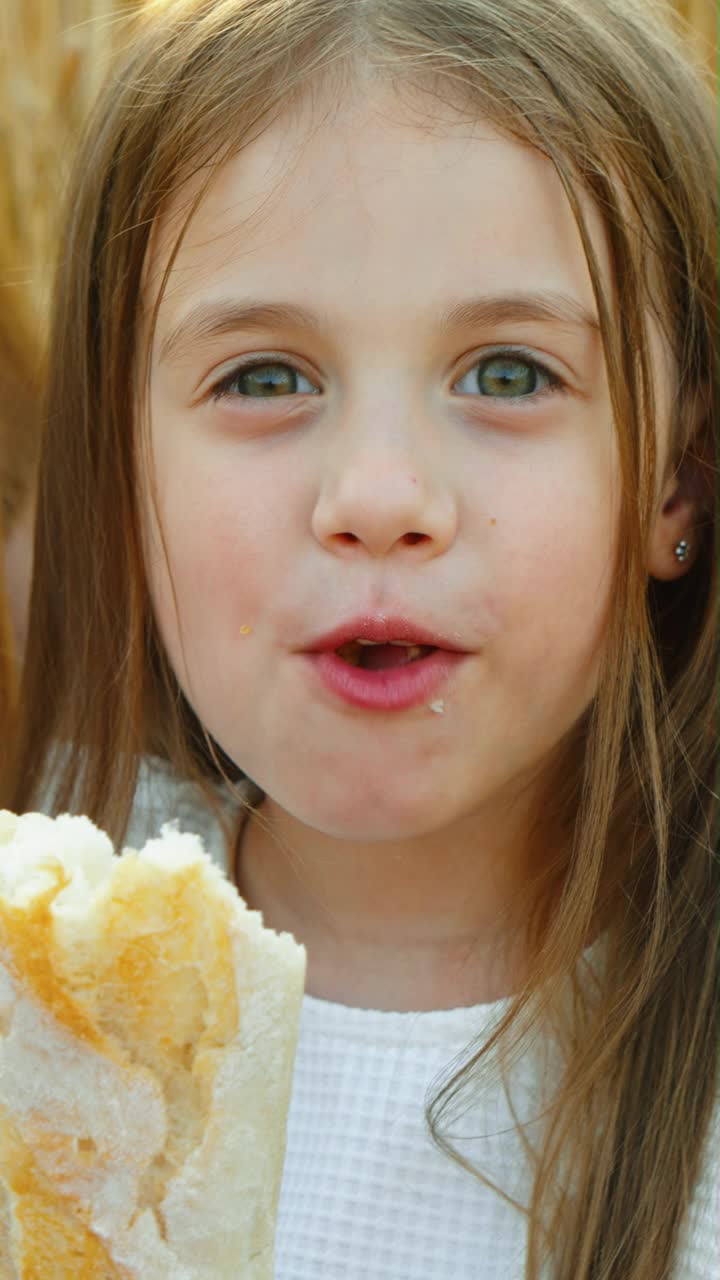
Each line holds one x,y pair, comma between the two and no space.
371,655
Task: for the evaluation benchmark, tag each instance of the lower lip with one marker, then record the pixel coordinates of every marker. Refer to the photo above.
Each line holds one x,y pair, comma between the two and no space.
393,690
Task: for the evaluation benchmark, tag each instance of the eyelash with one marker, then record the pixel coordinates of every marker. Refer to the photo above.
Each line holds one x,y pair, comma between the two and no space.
554,384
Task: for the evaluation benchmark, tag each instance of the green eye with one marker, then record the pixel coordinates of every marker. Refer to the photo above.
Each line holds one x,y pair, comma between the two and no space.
266,380
503,376
506,377
263,381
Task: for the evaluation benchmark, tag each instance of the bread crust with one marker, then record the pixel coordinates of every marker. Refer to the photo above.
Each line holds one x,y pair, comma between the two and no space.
148,1027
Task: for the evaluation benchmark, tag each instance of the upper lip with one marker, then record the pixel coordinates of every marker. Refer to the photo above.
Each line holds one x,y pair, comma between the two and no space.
382,629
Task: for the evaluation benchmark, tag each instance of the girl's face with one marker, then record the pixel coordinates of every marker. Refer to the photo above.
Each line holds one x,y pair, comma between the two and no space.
378,399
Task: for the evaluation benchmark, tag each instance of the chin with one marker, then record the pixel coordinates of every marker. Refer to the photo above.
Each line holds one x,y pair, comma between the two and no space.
366,813
368,830
366,794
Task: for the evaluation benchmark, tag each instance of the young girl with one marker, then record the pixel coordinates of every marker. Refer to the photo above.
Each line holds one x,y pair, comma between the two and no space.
376,542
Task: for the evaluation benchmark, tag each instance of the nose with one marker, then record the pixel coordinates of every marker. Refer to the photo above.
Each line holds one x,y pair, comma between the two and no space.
382,494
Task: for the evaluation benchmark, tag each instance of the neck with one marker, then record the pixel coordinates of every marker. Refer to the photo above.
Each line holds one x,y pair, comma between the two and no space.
414,924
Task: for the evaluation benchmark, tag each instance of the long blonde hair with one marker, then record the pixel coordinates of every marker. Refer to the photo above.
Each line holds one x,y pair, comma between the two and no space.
601,88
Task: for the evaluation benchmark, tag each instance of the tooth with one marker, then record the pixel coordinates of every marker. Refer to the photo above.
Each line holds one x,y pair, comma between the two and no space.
406,643
367,642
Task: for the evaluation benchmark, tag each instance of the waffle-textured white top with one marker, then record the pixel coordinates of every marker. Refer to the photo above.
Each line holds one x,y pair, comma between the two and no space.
365,1194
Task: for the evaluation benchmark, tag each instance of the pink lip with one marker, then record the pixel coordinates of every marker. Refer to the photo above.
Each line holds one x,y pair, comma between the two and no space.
382,630
396,689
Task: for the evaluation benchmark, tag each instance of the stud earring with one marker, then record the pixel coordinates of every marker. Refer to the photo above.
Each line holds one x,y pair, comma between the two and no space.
682,550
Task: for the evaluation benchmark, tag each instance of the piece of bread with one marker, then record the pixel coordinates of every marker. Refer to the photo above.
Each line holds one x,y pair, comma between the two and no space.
148,1027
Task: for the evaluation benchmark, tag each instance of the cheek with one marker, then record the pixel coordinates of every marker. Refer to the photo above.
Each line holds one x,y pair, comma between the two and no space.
205,574
556,542
216,542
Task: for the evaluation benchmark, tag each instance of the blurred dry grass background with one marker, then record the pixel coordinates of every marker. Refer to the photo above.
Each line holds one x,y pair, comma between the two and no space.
53,57
702,16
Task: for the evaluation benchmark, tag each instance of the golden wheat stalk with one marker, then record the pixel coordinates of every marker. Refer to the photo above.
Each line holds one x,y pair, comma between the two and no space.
699,22
53,57
703,18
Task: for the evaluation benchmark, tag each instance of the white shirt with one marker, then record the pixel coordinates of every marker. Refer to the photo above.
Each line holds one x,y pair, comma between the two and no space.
365,1194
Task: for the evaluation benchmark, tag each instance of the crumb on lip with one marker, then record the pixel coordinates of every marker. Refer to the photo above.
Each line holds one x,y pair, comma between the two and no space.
438,707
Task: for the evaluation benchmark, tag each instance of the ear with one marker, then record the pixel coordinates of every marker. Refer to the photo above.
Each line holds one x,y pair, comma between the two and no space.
680,518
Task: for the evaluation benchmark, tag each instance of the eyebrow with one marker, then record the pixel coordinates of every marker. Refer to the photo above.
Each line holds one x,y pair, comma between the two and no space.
210,320
214,319
541,308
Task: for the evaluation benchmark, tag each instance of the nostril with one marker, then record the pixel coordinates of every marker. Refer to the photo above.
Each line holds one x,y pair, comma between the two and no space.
348,537
412,538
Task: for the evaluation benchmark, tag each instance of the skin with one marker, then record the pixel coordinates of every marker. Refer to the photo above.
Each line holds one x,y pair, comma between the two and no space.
396,843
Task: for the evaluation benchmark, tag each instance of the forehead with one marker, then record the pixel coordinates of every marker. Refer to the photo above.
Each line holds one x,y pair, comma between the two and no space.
371,204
